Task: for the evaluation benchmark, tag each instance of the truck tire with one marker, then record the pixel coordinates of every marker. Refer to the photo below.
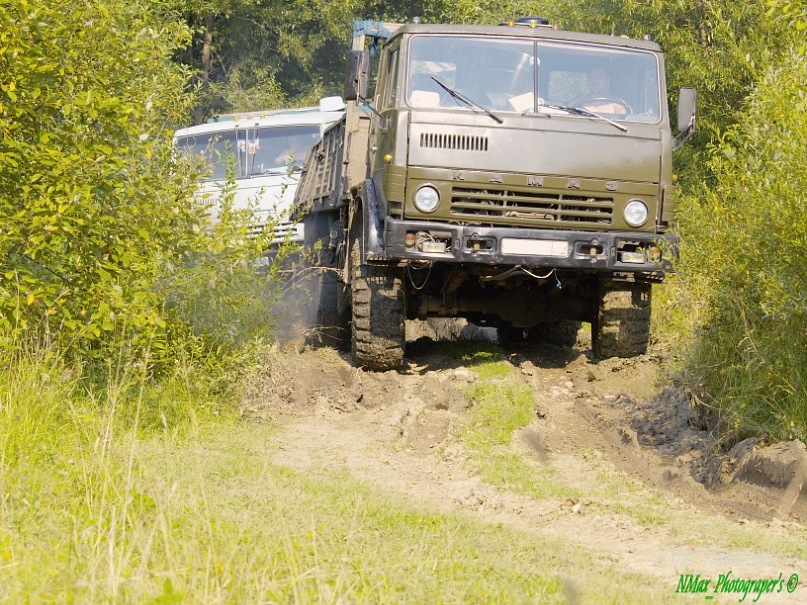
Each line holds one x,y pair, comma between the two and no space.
622,325
562,332
378,332
330,325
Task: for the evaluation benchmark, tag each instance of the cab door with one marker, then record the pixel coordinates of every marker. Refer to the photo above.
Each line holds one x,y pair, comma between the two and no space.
382,125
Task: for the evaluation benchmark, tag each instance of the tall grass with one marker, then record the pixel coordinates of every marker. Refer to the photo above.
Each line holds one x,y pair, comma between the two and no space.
97,506
745,253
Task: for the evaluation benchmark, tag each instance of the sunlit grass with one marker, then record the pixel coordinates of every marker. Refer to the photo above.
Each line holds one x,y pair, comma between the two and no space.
501,405
188,507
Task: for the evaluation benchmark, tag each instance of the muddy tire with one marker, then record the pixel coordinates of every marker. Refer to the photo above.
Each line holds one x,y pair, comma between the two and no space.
331,321
378,332
332,325
622,325
562,333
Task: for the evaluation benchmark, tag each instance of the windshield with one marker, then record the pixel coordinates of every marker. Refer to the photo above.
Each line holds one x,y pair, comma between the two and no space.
251,151
522,75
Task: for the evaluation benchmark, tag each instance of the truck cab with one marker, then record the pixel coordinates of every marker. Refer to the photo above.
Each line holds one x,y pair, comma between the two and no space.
517,176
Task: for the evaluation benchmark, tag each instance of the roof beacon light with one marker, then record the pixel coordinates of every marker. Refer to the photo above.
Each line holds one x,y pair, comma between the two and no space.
530,21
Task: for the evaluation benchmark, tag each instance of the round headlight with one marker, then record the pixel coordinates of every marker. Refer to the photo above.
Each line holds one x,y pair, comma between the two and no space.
635,213
426,199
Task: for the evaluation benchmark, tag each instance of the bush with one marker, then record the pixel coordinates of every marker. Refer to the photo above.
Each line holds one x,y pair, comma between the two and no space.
745,245
101,250
91,204
218,302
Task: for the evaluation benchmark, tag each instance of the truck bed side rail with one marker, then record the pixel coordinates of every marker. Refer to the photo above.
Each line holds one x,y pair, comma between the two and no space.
321,185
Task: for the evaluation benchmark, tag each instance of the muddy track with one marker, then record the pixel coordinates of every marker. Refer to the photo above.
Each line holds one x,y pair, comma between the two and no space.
595,423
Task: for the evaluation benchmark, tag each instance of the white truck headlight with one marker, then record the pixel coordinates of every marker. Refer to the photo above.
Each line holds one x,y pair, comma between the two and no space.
426,199
635,213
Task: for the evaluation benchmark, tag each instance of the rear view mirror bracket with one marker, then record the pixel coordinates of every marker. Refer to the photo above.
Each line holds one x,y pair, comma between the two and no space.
687,105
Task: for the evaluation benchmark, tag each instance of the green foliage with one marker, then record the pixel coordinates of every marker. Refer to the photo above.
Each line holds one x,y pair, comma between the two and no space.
745,244
249,87
90,204
101,248
217,300
258,55
793,12
96,508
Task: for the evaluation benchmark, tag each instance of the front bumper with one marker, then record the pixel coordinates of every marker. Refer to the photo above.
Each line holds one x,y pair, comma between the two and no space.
540,248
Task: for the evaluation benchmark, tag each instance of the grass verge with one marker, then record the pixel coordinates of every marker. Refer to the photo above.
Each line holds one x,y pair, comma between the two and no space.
501,405
97,506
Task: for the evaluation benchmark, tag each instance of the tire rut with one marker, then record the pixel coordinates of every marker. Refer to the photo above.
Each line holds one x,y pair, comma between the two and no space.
398,431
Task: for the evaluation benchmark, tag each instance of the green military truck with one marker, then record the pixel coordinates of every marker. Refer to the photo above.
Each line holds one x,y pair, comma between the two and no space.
519,176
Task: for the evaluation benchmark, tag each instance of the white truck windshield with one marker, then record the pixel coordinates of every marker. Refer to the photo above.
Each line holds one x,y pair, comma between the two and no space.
251,151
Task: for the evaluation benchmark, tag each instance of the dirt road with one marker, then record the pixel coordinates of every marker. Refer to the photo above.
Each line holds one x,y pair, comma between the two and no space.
651,497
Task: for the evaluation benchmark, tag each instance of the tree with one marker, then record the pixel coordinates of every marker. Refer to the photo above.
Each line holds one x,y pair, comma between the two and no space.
90,201
255,54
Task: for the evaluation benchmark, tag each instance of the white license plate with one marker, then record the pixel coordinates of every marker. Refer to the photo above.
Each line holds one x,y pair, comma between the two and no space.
534,247
438,247
633,257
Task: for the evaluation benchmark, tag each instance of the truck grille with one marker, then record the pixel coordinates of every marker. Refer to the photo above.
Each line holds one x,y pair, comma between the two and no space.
530,207
459,142
282,228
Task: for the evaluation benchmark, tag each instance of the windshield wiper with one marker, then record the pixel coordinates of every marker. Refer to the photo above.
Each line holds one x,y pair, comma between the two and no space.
581,112
469,102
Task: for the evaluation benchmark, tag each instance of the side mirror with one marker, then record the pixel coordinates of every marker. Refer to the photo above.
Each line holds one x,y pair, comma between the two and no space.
687,101
358,69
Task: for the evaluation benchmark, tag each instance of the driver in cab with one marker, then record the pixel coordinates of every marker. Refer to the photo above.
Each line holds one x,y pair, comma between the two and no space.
599,98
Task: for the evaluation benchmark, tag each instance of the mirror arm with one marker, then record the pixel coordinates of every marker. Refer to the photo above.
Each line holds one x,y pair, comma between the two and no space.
381,121
683,136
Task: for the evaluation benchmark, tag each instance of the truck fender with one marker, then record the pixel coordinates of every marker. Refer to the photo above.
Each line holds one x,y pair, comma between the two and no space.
372,231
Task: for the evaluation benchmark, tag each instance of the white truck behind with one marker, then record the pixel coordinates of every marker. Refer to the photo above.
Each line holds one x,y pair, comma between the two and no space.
264,151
